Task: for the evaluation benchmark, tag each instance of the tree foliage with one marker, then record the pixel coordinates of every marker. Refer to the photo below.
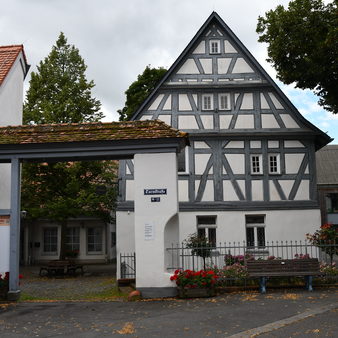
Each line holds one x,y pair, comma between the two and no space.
139,90
303,46
59,91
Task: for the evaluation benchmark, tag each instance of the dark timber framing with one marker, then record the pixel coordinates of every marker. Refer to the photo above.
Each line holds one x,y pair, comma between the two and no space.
244,121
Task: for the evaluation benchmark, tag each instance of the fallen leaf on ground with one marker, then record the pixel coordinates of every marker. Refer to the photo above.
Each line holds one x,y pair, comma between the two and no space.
128,328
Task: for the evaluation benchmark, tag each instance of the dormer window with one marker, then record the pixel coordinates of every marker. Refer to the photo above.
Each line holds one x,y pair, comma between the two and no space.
207,102
224,101
215,47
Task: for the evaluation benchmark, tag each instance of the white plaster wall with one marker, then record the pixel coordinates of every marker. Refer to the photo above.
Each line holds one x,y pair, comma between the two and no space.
280,225
156,102
273,144
241,66
187,122
165,118
269,121
235,144
5,185
183,102
275,101
153,216
223,65
257,190
289,121
245,122
11,96
264,103
228,47
236,162
206,65
224,121
247,102
293,144
167,105
200,49
303,192
208,121
4,248
200,145
129,190
229,193
293,162
201,161
183,191
189,67
255,144
125,236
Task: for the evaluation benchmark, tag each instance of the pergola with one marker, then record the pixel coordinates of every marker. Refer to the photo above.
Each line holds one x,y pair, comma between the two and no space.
76,142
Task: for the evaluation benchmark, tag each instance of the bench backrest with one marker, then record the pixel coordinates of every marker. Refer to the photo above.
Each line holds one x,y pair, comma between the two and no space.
283,265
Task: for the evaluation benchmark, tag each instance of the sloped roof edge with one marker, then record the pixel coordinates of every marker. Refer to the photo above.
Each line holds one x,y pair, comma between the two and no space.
11,53
321,139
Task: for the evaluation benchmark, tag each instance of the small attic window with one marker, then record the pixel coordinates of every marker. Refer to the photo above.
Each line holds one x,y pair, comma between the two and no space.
215,47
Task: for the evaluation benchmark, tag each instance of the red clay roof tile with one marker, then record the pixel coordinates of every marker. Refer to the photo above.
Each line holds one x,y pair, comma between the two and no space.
8,55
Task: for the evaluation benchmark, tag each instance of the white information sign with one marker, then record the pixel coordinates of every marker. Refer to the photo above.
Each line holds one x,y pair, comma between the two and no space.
148,232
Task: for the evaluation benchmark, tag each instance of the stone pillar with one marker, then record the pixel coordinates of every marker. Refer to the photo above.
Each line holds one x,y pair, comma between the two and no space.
156,202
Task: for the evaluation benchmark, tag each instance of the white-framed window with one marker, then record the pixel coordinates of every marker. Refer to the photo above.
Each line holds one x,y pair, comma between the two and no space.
255,231
50,240
207,102
215,47
94,240
274,163
256,164
183,161
206,227
73,239
224,101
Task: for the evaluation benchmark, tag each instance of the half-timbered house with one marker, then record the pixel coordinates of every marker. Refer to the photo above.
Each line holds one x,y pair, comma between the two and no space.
249,173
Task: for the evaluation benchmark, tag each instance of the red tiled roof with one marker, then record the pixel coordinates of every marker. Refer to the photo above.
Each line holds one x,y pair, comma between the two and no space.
8,55
82,132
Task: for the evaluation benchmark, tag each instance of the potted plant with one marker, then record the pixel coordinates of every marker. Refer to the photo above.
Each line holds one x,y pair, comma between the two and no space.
195,283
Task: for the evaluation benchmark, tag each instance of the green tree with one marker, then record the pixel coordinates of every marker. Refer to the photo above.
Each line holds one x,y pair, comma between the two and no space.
303,46
139,90
60,93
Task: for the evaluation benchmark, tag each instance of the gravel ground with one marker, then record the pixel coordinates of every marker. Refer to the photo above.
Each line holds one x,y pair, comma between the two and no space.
98,280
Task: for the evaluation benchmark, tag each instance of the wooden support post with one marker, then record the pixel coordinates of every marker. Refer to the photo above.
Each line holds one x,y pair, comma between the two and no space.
14,292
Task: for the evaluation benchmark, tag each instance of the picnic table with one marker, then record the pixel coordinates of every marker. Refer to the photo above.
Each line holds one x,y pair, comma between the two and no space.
60,268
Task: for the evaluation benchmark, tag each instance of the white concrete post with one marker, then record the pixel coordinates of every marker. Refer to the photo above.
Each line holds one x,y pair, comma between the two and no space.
156,202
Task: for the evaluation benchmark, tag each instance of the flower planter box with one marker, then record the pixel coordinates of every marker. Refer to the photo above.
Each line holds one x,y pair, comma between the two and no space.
196,292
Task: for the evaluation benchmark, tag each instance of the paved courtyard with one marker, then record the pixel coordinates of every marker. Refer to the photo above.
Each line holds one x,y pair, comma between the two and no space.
279,313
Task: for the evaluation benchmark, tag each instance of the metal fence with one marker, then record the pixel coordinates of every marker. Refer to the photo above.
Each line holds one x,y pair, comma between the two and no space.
180,257
128,265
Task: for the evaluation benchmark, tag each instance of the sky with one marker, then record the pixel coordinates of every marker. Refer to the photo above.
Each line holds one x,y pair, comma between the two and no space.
118,39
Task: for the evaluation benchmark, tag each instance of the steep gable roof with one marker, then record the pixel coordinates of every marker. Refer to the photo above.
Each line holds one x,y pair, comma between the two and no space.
327,165
251,66
8,56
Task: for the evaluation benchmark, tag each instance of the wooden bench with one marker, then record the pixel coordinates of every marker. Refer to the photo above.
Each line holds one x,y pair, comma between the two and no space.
263,269
60,267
